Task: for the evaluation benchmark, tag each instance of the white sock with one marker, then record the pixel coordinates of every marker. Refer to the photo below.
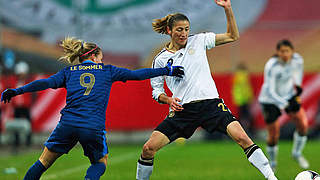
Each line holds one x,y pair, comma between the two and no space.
272,152
144,169
259,160
298,144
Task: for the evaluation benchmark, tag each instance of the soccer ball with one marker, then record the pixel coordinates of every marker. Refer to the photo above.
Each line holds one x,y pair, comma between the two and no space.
308,175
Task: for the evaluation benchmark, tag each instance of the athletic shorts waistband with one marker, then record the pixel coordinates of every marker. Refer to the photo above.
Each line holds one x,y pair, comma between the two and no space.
203,100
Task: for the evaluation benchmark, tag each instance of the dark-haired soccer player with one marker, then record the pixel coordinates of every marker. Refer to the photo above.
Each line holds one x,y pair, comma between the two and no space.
195,101
88,84
281,91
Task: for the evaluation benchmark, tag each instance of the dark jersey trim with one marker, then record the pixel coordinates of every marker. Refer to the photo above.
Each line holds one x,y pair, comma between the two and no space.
154,59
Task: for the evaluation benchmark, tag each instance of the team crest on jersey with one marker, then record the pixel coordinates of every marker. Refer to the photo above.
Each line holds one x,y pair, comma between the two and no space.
191,51
171,114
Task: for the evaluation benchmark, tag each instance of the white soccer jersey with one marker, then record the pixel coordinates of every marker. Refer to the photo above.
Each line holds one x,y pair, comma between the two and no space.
197,84
279,80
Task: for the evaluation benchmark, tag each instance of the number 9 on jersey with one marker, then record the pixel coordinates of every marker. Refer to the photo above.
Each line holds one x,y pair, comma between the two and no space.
89,85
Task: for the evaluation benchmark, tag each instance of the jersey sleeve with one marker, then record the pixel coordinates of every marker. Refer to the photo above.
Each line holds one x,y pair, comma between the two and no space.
298,70
209,39
271,80
119,74
55,81
157,83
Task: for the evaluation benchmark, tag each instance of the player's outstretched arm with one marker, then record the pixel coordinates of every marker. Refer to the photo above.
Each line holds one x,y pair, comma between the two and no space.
148,73
232,33
122,74
31,87
54,81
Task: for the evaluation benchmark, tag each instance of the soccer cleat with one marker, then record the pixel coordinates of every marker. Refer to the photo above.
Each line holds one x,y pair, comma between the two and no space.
272,177
303,163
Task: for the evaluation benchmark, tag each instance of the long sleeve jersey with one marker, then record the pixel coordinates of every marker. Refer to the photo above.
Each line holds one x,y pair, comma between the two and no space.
197,83
88,87
280,79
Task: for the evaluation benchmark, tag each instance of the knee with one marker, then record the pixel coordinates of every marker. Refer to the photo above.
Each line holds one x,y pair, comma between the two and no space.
45,162
104,160
148,151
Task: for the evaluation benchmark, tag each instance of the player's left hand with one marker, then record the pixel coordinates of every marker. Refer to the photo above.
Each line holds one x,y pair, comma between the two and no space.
298,90
223,3
294,105
7,95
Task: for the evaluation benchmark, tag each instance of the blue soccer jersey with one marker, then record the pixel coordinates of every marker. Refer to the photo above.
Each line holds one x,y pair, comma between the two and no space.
88,87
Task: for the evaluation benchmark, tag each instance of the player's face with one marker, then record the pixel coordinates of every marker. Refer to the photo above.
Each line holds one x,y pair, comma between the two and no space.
179,33
99,57
285,53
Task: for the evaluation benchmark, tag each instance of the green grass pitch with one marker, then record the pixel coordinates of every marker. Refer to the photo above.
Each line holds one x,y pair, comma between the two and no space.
219,160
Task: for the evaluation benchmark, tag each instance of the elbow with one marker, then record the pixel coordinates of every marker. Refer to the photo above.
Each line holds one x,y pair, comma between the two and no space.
233,37
236,37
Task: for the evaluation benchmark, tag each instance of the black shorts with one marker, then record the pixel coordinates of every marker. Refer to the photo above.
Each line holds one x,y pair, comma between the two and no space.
212,115
270,112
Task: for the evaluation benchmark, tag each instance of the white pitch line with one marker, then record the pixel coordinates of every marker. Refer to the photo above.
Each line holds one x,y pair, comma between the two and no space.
113,160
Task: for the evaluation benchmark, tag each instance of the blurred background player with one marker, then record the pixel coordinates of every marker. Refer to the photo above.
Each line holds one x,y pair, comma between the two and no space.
88,84
22,104
195,101
280,92
242,96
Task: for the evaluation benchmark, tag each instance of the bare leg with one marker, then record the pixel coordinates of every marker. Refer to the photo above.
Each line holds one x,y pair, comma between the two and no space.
156,141
48,157
104,160
301,121
236,132
273,133
272,142
300,137
253,152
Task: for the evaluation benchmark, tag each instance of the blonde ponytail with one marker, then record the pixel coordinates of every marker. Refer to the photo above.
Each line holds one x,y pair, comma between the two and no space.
75,50
72,49
160,25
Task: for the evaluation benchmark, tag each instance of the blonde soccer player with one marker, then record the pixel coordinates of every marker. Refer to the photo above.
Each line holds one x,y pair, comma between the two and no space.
88,84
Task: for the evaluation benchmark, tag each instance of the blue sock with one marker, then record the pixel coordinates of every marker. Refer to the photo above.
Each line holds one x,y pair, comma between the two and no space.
35,171
95,171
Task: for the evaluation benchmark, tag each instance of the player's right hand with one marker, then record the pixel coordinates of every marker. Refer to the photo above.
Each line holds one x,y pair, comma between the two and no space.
223,3
174,104
174,70
7,95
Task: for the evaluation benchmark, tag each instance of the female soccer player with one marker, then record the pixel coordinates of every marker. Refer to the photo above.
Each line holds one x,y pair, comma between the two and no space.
195,101
281,92
88,84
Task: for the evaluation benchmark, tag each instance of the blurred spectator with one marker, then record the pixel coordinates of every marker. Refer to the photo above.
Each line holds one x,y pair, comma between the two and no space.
8,61
242,95
22,103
